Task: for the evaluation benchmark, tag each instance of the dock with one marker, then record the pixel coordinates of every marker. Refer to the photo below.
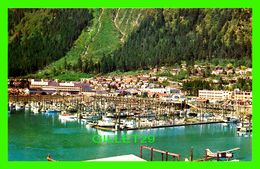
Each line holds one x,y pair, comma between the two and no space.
167,154
154,127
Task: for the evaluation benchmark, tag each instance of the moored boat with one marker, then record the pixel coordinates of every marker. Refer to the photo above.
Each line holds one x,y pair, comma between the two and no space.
52,111
67,117
106,122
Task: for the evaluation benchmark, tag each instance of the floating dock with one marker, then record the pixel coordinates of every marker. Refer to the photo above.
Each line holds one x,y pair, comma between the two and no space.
153,127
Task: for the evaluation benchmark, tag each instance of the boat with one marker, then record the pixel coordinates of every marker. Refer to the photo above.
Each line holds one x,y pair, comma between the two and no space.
109,114
67,117
231,120
91,124
244,127
90,118
27,107
106,122
35,109
225,124
130,124
123,114
43,110
52,111
18,107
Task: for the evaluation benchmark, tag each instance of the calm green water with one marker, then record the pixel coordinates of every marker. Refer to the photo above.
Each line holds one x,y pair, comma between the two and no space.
32,137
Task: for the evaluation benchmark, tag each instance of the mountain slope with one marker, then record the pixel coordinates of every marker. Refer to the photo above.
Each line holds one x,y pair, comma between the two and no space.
168,36
104,35
129,39
39,37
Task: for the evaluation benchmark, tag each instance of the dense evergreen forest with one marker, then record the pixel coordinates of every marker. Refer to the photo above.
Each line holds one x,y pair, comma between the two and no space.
170,36
38,37
131,38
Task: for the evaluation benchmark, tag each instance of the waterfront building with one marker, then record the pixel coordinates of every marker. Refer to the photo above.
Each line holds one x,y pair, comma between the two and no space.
50,87
242,95
39,82
215,94
223,95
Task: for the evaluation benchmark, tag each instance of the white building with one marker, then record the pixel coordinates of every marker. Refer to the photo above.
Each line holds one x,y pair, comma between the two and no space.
67,84
157,90
41,82
215,94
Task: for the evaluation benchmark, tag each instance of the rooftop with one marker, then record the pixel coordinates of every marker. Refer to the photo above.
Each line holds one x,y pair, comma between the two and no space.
129,157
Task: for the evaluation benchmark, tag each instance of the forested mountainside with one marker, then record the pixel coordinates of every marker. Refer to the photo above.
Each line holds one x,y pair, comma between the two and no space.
61,41
37,37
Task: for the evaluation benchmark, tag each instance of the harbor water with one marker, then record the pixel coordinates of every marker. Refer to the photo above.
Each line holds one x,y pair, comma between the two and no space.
33,136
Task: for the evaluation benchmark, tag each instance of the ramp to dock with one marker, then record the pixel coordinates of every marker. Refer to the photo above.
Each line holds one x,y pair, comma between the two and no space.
129,157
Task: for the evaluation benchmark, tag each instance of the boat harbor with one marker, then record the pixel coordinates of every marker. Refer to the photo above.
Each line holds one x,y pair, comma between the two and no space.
120,113
173,124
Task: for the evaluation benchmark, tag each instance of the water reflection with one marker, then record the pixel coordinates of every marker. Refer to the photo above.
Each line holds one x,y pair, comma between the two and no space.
32,136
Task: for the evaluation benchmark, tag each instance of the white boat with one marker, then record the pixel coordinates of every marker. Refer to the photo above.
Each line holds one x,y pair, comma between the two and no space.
90,124
35,109
109,114
106,122
225,124
27,107
130,124
18,107
67,117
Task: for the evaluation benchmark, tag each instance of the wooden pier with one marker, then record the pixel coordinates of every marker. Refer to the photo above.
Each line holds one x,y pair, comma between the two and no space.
166,153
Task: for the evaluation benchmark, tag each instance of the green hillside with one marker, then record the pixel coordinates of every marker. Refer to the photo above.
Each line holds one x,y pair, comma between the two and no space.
69,44
169,36
103,36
